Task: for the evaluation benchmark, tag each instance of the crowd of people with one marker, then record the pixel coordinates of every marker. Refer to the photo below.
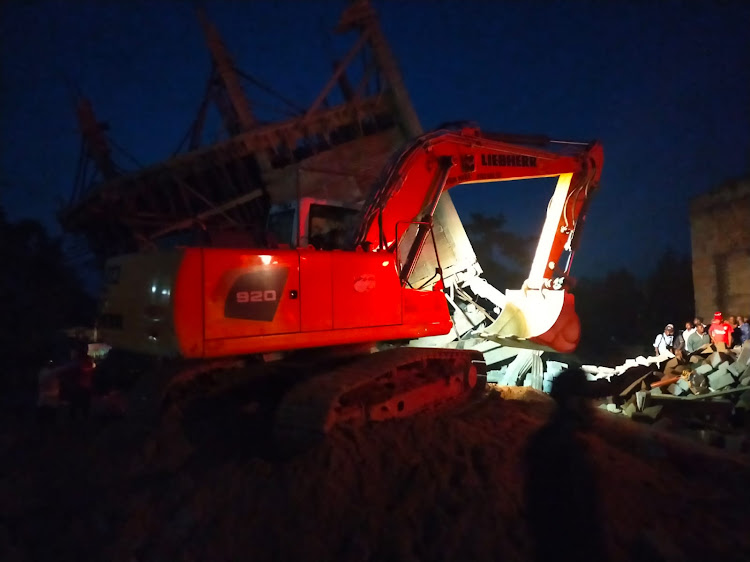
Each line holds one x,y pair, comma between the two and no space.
733,331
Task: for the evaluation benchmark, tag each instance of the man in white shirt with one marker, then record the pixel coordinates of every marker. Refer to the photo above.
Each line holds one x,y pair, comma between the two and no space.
663,342
689,330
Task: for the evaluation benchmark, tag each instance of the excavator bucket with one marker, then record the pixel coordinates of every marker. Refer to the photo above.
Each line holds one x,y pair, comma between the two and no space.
537,319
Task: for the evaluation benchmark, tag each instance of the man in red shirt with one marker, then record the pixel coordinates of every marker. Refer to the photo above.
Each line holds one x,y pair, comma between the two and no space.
720,331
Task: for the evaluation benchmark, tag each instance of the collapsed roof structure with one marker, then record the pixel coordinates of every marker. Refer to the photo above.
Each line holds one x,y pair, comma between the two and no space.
334,148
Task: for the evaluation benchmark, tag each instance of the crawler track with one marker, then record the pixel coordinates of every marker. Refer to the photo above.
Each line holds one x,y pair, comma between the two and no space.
295,404
386,385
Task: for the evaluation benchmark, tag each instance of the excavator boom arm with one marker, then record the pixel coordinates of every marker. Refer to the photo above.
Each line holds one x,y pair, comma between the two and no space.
411,187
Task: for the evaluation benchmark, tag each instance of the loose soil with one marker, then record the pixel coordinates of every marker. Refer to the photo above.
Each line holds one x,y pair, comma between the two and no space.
499,478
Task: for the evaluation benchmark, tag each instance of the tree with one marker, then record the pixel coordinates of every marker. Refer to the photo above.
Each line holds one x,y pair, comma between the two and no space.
611,314
41,295
668,293
505,256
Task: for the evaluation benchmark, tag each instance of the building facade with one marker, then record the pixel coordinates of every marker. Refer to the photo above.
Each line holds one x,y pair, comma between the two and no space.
720,233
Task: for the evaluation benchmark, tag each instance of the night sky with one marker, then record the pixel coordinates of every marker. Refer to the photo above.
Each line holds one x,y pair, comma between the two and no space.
664,86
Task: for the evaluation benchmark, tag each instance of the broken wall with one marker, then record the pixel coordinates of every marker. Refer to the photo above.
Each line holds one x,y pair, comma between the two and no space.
720,233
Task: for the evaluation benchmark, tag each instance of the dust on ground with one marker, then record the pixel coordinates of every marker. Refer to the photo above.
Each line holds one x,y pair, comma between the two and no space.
452,485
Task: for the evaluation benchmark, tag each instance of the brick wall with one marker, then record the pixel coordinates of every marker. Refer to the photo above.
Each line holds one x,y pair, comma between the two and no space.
720,234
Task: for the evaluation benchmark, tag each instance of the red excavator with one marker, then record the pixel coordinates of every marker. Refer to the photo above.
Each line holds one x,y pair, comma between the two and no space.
371,281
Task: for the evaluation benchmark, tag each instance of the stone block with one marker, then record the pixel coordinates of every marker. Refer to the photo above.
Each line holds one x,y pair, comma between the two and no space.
674,390
745,382
723,366
629,409
652,411
696,360
495,376
744,356
613,408
554,368
656,391
683,384
720,379
714,359
736,369
704,369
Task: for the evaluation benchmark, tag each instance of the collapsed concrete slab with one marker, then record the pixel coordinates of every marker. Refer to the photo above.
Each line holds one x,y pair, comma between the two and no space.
719,380
744,357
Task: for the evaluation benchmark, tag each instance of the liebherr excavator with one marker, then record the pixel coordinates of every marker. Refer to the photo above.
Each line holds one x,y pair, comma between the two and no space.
371,278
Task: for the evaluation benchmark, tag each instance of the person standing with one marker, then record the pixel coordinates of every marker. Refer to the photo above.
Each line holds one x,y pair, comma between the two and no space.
664,341
744,329
720,331
690,330
680,340
697,339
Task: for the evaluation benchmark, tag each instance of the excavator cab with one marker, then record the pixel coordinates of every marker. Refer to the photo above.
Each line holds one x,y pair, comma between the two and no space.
320,223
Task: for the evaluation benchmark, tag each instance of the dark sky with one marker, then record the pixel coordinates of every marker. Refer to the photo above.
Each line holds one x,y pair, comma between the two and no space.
664,85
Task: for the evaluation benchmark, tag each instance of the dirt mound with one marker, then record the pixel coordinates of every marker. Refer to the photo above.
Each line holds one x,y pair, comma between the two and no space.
461,485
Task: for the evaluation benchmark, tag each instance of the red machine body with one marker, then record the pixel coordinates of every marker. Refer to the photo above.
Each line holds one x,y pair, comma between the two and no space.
233,302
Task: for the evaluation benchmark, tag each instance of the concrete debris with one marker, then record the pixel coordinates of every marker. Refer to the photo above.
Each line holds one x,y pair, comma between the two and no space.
706,390
736,370
683,384
520,365
537,371
704,369
698,383
497,376
719,380
640,400
629,409
715,359
674,390
744,356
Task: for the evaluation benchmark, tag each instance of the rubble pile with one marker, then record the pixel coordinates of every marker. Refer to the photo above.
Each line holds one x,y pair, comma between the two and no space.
707,391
